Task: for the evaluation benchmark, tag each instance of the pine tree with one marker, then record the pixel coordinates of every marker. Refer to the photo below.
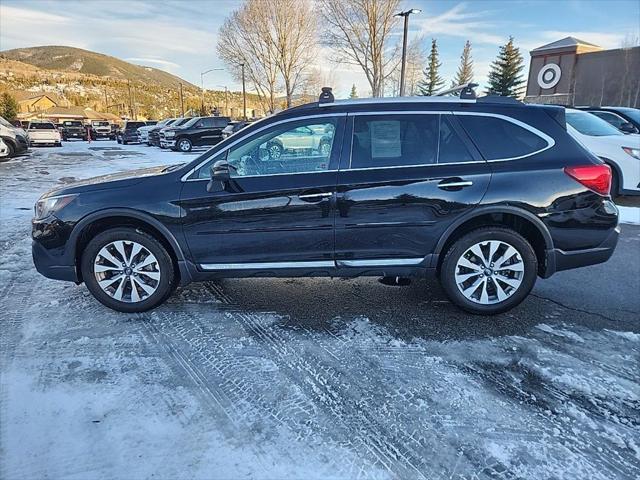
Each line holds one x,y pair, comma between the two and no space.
8,107
432,80
354,92
505,77
465,70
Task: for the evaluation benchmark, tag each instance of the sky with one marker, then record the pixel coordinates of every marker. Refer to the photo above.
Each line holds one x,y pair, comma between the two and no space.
179,36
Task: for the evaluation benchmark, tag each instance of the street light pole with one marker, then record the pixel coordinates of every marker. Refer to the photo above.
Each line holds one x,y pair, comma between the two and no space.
244,96
404,45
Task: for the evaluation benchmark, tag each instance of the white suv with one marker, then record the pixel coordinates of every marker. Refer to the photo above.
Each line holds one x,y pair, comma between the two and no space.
44,133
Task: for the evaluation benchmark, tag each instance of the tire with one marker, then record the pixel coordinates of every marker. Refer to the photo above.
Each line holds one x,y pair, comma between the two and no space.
58,144
124,142
275,151
324,148
615,183
520,271
184,145
118,140
11,150
153,284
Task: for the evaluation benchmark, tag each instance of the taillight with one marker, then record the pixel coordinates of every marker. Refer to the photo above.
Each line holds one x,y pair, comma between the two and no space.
594,177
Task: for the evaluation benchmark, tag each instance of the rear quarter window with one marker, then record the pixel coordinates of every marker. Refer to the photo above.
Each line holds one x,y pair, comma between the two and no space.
500,139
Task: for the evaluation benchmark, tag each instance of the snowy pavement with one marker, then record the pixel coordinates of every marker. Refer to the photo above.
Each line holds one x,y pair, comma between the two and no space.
308,378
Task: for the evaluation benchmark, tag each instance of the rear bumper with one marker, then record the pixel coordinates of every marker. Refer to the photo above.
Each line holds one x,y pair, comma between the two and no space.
558,260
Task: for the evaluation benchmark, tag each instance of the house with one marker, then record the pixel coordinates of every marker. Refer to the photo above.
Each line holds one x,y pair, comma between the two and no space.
36,103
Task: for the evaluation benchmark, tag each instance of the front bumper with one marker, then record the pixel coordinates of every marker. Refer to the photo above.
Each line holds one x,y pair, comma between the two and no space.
48,264
167,143
558,260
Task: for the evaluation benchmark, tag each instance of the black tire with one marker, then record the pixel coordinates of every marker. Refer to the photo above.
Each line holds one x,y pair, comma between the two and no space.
58,144
11,150
118,140
183,145
615,183
323,145
165,285
124,142
458,249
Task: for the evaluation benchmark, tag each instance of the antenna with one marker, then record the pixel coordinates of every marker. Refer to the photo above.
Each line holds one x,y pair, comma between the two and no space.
466,90
326,96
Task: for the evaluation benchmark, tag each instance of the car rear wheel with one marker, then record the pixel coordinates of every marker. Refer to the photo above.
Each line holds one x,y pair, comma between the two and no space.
489,270
127,270
274,151
184,145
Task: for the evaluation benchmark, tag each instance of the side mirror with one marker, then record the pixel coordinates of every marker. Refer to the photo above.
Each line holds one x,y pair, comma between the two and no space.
220,176
628,127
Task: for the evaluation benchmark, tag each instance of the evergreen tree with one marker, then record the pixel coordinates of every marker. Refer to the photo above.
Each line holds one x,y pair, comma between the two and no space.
354,92
505,77
465,70
432,81
8,107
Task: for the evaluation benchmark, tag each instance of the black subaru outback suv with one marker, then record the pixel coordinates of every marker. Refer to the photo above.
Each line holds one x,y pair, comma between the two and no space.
486,194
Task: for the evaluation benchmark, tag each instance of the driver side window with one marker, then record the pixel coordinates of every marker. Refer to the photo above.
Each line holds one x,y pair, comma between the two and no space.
294,147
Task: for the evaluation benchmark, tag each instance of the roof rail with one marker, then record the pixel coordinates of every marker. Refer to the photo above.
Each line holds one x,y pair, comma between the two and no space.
466,90
499,99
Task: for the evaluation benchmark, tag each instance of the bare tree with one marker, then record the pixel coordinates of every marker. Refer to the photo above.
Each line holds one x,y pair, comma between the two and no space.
416,58
241,42
359,33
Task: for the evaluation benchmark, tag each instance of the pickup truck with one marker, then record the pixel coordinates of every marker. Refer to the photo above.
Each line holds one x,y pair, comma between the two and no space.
73,129
199,131
44,133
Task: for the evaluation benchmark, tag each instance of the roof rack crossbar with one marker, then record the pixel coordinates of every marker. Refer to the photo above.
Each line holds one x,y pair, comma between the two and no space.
466,91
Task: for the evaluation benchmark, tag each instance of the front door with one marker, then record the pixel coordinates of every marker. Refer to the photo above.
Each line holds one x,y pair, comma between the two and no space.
408,177
277,210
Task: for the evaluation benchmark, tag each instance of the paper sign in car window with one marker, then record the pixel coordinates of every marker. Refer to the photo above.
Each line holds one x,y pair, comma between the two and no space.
385,139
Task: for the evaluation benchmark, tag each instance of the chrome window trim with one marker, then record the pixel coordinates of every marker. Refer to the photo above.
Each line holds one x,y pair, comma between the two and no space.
185,177
381,262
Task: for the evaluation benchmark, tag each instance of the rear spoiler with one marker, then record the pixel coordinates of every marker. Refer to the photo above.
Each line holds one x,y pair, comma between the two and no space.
556,112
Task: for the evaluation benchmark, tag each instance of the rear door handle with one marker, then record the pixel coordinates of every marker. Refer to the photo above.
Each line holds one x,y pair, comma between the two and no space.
314,197
454,184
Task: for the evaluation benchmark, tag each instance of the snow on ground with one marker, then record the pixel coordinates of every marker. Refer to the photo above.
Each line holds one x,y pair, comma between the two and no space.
298,378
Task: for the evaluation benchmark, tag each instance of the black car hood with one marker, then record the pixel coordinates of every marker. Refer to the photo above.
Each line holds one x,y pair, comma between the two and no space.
104,182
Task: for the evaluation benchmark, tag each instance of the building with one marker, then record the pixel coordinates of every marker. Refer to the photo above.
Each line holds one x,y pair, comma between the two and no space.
60,114
37,103
574,72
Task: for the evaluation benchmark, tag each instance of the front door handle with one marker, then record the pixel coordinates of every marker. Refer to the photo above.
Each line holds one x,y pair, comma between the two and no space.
314,197
454,184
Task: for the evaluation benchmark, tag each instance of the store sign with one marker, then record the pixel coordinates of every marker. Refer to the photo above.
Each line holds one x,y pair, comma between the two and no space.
549,75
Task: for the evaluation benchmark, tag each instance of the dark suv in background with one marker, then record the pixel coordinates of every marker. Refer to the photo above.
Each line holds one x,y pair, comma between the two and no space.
129,133
73,129
486,194
198,131
625,119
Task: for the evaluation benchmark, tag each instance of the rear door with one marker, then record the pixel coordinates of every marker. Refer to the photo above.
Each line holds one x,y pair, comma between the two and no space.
408,176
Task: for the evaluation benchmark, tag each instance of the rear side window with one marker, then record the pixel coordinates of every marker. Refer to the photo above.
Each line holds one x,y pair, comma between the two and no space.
394,140
498,139
452,148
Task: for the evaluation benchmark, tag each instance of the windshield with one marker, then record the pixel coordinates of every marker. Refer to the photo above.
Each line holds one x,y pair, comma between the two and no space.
191,121
72,124
632,113
41,126
181,121
591,125
134,125
101,124
5,123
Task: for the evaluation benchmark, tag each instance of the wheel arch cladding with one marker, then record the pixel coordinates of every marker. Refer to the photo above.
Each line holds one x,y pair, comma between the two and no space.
93,226
525,223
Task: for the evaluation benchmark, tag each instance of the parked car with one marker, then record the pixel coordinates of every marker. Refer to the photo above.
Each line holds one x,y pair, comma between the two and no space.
177,123
621,152
15,138
143,132
625,119
485,194
234,127
129,133
154,133
101,129
44,133
73,129
4,150
199,131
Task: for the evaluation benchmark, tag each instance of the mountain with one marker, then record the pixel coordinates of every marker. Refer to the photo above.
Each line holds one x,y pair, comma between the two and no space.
77,60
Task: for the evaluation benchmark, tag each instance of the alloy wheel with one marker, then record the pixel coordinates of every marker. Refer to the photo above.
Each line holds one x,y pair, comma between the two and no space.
127,271
274,152
184,145
489,272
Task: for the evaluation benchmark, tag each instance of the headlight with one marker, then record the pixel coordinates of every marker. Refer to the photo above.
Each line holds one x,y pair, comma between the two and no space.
634,152
169,134
48,206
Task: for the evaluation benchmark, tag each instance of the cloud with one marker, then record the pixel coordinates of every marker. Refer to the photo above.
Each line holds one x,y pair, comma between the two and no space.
164,63
459,22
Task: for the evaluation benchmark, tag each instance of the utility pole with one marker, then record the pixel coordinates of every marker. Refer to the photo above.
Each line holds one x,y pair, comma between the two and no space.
130,100
106,102
181,101
202,74
404,44
244,96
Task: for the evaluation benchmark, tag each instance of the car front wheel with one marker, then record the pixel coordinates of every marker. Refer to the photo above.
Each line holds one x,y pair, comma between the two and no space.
127,270
184,145
489,270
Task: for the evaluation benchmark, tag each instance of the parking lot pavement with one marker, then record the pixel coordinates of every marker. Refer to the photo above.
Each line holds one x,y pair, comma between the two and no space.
308,378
